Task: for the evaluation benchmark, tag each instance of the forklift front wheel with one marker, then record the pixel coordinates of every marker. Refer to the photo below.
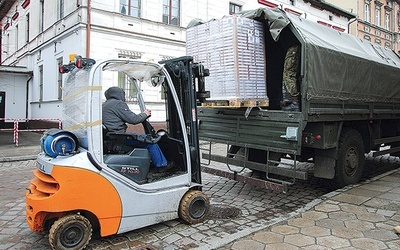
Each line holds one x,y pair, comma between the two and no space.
194,207
72,231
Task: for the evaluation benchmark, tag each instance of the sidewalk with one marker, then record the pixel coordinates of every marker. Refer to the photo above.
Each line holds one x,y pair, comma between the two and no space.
28,147
363,216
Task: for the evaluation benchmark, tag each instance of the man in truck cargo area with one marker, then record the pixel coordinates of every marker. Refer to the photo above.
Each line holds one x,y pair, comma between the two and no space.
116,114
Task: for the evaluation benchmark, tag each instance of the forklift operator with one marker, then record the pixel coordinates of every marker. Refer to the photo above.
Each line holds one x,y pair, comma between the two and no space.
116,114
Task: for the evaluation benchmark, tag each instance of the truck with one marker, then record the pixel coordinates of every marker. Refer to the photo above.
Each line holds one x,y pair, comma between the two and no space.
332,98
87,181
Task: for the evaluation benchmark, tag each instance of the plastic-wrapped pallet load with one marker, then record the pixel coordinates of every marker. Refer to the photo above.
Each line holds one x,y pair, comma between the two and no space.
233,49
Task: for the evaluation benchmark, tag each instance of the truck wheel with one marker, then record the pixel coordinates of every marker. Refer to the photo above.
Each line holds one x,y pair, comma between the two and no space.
72,231
351,158
194,207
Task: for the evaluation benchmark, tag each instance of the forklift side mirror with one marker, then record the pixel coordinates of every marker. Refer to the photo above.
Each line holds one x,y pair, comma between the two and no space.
157,80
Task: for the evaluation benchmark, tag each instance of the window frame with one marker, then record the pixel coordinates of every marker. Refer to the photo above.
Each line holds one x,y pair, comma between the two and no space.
367,12
40,82
234,8
129,6
168,6
41,16
59,79
377,16
387,20
27,28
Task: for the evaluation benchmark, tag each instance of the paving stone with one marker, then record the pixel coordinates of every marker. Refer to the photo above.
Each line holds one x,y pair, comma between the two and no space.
359,191
315,231
341,216
299,240
268,237
333,242
381,234
359,225
247,244
280,246
371,217
317,247
347,233
174,237
301,222
330,223
390,196
314,215
365,243
395,245
326,207
351,199
285,229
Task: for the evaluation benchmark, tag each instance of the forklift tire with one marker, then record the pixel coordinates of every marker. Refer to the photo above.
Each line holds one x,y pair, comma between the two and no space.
72,231
194,207
351,158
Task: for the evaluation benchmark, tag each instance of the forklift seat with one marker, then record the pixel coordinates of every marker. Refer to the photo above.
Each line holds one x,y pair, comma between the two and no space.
131,162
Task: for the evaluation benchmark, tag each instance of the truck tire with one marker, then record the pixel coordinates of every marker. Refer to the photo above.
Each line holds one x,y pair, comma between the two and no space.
71,232
351,158
194,207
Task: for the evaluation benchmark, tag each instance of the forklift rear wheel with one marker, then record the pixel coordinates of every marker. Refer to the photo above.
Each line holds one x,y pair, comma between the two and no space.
194,207
72,231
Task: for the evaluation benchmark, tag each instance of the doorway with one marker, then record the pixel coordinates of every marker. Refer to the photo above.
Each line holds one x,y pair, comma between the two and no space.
2,108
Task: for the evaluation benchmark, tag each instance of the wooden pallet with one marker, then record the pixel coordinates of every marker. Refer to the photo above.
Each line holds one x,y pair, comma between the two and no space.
237,103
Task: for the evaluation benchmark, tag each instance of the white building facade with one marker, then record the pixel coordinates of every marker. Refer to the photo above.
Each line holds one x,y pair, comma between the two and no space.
41,34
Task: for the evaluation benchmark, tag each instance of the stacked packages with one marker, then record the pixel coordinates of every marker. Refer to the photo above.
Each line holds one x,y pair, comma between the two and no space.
233,49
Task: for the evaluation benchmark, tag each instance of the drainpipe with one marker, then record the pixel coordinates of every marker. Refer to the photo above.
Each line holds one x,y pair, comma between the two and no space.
27,97
348,26
88,28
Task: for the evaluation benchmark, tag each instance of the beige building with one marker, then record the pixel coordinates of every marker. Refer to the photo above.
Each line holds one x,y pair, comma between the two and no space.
377,21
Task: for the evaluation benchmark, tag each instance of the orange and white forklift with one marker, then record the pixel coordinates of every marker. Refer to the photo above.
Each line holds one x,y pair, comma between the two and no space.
86,180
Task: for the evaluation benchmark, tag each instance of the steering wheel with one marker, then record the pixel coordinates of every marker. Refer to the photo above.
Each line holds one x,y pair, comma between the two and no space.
148,129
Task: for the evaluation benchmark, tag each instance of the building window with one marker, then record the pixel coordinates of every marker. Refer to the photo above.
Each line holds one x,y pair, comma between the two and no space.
41,16
130,7
7,45
27,29
367,12
234,8
16,37
387,20
171,12
60,9
378,16
41,83
129,86
59,79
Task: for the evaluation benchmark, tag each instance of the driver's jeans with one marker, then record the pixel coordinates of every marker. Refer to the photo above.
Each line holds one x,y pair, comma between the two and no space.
156,155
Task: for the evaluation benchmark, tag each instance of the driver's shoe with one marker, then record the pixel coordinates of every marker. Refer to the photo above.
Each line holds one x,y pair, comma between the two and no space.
170,165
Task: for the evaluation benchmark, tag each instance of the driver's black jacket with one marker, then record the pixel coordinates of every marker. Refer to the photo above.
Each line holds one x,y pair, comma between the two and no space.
116,112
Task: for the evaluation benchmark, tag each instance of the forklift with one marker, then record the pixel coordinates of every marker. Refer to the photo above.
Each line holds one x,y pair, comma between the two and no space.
87,181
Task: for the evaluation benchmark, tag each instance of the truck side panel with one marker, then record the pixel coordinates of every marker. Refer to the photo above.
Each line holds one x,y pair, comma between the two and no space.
264,130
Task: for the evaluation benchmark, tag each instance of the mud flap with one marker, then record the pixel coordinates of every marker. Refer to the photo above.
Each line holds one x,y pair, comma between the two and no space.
324,164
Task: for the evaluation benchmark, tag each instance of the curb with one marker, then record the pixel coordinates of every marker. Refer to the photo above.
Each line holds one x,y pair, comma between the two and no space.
18,158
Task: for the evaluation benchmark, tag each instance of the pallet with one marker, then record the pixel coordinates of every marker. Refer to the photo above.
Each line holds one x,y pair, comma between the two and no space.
237,103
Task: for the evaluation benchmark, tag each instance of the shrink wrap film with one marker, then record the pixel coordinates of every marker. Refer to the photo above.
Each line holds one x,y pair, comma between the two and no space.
233,49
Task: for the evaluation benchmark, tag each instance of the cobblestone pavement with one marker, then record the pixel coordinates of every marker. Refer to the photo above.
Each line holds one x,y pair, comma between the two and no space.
308,216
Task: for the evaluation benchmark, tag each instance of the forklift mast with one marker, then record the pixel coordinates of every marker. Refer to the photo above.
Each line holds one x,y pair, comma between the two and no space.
185,75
